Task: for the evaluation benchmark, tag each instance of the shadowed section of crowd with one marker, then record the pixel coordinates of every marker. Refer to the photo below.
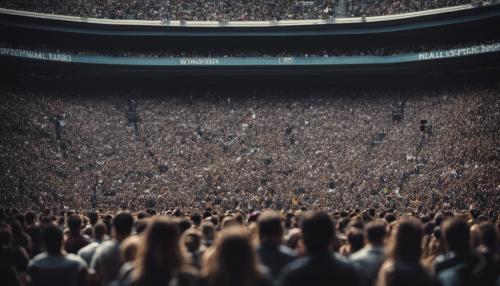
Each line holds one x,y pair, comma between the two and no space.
209,248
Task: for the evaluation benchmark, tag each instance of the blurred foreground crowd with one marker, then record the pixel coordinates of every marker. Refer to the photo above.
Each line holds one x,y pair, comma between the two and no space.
209,248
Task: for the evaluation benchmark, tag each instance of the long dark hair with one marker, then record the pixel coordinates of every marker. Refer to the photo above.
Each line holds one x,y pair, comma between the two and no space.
233,261
160,258
406,244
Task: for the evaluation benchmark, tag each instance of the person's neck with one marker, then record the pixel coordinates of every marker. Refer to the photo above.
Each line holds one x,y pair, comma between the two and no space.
74,233
121,237
270,241
320,253
375,245
60,253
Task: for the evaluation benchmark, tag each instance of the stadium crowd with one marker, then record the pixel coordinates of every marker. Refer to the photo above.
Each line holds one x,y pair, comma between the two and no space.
212,10
215,10
250,149
357,8
209,248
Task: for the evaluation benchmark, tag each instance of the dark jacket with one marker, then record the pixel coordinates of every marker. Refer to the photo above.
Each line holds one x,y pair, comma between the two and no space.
275,256
322,270
465,270
396,273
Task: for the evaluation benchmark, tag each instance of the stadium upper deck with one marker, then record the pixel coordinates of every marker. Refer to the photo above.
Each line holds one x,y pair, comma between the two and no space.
234,10
234,23
70,36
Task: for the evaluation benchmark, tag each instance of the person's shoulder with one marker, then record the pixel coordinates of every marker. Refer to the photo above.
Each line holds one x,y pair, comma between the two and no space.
293,271
441,258
37,259
444,261
108,243
287,251
265,273
341,260
359,255
107,246
296,265
76,259
89,247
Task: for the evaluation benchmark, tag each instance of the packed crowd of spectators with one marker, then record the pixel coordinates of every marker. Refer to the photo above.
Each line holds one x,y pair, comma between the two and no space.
205,10
250,149
358,8
209,248
216,10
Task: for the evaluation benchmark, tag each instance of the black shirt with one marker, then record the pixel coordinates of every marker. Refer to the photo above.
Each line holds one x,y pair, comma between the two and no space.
322,270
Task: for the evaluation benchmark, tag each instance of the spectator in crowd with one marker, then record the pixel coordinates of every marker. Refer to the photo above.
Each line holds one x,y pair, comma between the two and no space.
160,260
233,261
320,267
201,10
75,239
403,266
207,234
244,162
459,265
13,260
204,10
129,250
233,251
294,241
271,251
106,262
355,241
191,242
488,250
369,259
365,8
88,251
19,237
196,219
433,248
53,266
34,232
